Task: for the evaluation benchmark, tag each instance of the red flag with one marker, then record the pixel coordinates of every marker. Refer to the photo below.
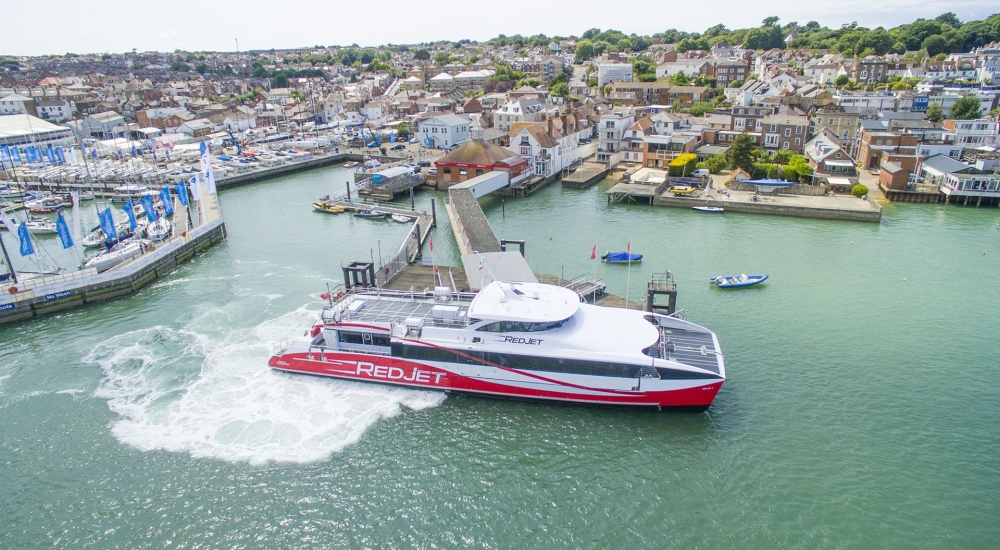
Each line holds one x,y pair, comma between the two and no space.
593,252
432,244
324,296
628,249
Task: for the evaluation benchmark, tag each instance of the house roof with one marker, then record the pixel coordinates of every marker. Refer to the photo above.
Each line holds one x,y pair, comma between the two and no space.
945,164
449,120
537,130
477,152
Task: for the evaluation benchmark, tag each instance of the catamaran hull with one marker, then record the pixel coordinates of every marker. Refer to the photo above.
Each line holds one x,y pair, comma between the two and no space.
500,382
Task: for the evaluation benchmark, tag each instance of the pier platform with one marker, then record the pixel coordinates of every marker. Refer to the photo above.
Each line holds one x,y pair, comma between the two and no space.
586,175
832,207
49,294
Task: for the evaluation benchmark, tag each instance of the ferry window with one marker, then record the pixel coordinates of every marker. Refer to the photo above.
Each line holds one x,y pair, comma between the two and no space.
346,337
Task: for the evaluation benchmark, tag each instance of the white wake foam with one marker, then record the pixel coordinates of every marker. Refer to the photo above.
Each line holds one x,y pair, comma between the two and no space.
215,396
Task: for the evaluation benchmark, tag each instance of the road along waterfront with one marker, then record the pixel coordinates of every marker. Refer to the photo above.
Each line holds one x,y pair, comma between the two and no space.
858,410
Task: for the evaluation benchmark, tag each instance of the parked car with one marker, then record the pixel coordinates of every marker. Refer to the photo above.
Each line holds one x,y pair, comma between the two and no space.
424,163
398,146
432,171
700,173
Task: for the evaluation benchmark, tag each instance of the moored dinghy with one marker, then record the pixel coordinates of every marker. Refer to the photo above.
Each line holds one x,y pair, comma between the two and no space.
621,257
709,209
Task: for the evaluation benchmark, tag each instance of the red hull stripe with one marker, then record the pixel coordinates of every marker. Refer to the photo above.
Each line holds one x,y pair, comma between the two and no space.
421,375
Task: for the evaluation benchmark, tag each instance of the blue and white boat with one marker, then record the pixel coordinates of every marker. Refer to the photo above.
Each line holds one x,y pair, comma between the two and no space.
737,281
621,257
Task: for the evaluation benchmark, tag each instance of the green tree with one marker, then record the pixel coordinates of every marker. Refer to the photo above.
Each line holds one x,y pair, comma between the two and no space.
590,33
741,152
201,68
442,58
421,55
180,67
859,190
966,108
584,51
679,79
279,81
560,89
699,108
934,112
935,44
715,163
403,130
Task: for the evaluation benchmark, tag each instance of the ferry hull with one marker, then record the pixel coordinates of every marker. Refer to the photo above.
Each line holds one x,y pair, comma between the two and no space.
688,395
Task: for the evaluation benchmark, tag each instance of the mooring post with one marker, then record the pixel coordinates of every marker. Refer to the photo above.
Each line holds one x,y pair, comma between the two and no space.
412,206
348,184
434,216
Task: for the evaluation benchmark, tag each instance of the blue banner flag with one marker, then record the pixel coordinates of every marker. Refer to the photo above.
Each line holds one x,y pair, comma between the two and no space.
182,193
167,152
108,224
392,137
203,148
134,152
61,156
63,230
147,205
4,153
154,156
166,201
130,214
93,153
26,248
50,154
15,154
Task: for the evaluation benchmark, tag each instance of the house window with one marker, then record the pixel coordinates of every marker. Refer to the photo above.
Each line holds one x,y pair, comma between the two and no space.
526,151
447,169
798,129
798,141
774,128
788,132
785,145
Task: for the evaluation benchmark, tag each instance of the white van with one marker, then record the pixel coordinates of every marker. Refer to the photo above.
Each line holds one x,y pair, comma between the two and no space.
700,173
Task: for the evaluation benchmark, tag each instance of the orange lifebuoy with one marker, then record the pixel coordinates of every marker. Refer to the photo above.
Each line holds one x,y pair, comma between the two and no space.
12,289
340,294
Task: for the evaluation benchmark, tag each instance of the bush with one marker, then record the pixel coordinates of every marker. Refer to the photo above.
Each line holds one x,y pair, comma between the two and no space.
859,190
715,164
683,165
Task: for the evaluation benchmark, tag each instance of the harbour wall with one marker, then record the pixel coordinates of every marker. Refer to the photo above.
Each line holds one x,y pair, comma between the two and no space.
874,215
56,293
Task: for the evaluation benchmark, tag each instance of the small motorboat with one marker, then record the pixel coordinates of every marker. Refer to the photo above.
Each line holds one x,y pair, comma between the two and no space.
93,239
683,189
328,208
621,257
710,209
350,164
44,206
40,226
158,230
400,218
737,281
121,252
371,213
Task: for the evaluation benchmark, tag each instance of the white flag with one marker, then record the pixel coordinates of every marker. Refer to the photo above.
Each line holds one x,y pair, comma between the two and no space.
206,163
75,196
210,181
196,187
11,226
72,156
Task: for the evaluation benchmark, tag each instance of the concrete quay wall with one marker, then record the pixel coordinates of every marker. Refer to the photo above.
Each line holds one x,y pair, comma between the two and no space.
874,215
56,293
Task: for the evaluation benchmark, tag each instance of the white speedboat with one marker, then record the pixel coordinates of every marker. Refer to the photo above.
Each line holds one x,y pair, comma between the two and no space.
158,230
400,218
527,341
41,226
121,252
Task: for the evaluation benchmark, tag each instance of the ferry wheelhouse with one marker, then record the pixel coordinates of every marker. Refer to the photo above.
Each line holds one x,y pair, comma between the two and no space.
512,340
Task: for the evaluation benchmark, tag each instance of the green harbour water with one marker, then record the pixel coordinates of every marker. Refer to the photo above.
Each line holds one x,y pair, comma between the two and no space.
860,409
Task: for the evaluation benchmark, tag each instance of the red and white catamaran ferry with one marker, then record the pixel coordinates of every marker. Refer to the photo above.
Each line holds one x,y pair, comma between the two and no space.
512,340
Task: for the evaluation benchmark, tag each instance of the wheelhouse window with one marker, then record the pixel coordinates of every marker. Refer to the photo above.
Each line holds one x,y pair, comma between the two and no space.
515,326
362,338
